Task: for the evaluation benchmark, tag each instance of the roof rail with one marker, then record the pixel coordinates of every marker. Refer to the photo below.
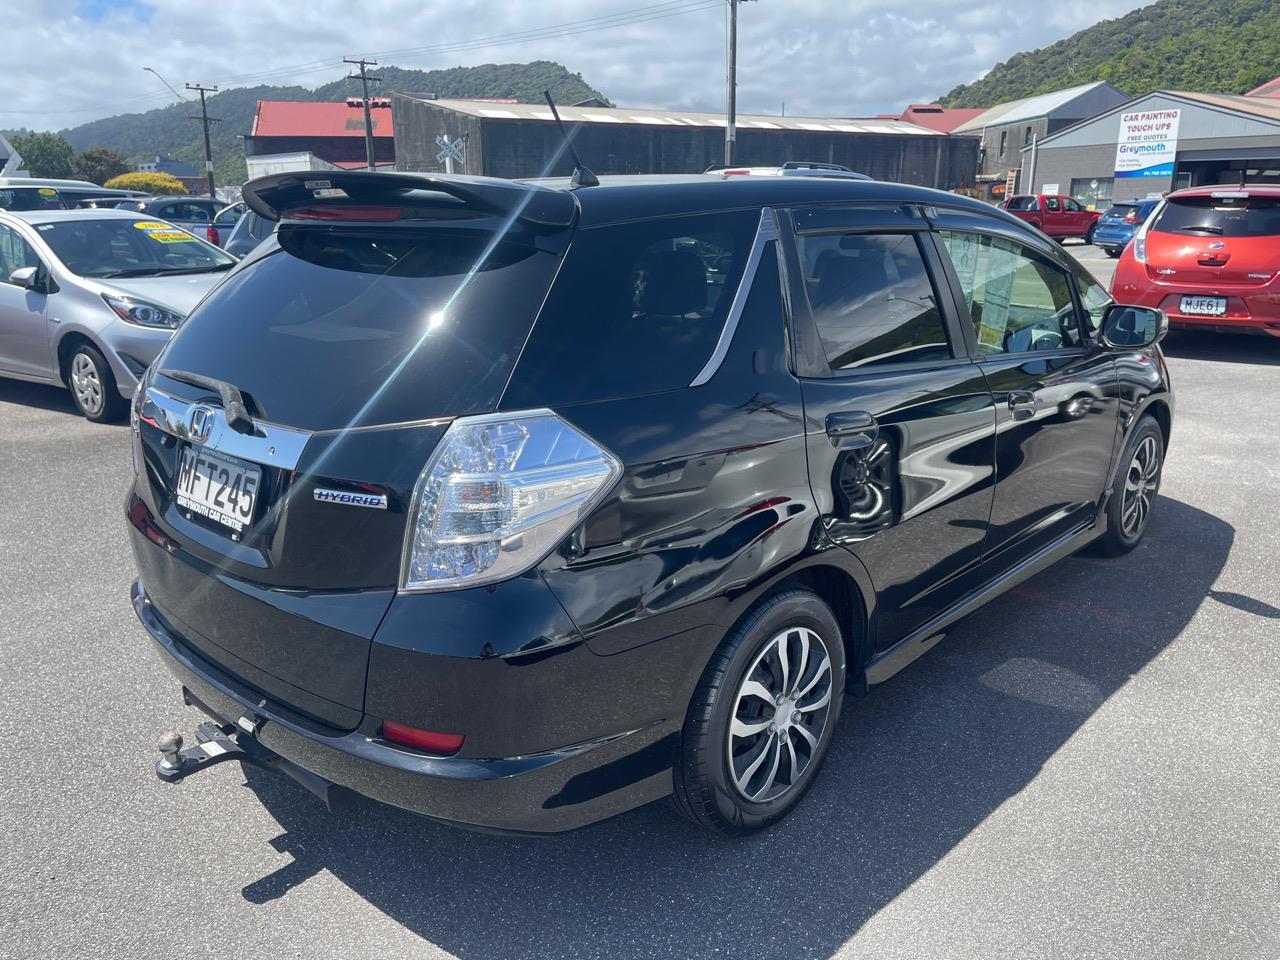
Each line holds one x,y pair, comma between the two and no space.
814,165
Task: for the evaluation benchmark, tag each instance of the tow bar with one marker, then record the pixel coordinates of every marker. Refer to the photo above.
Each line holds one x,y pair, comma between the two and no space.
217,744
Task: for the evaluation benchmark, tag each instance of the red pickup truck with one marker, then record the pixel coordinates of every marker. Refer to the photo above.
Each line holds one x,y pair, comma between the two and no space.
1058,216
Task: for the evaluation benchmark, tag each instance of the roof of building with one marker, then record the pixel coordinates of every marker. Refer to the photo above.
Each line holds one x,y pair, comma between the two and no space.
1269,89
296,118
673,118
935,116
1031,108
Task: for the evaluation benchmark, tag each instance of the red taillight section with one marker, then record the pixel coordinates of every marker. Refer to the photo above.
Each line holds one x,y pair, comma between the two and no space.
1131,218
428,741
211,234
358,212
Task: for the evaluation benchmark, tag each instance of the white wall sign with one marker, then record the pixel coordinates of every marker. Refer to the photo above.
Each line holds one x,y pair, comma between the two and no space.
1051,188
1148,143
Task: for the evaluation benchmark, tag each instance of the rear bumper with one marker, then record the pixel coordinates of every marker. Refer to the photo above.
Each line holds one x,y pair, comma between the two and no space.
1112,237
548,792
1249,309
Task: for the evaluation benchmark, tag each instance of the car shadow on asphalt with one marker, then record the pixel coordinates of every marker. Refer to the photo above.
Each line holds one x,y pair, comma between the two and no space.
915,767
1223,347
40,395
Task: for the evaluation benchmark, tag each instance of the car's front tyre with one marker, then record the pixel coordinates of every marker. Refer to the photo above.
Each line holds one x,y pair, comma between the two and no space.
762,718
1134,489
93,385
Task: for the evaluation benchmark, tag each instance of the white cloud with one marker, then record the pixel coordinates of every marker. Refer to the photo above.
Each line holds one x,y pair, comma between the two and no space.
82,59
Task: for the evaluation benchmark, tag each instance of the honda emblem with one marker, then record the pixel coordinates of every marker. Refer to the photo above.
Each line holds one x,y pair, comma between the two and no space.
200,422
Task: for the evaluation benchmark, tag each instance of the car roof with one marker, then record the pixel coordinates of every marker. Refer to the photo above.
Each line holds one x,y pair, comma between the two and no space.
62,216
1227,189
9,182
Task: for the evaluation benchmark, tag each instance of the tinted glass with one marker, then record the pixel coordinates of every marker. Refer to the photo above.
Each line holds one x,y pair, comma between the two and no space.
1022,203
129,248
1093,297
15,253
30,198
1118,211
1051,204
872,299
357,325
637,308
1017,301
1221,216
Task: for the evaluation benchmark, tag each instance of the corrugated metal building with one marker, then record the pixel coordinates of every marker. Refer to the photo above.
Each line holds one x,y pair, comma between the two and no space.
334,132
521,140
1219,139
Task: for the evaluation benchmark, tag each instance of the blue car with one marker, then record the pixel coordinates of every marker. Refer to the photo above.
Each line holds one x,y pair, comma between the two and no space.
1117,226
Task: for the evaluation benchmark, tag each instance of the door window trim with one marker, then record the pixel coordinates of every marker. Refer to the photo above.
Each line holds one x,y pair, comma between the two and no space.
809,358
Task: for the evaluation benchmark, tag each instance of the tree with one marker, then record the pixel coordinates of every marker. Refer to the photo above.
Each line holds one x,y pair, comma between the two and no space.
159,183
46,155
98,165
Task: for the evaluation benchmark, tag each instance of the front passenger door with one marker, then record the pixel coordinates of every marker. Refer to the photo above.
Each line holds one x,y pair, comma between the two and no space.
24,331
1056,391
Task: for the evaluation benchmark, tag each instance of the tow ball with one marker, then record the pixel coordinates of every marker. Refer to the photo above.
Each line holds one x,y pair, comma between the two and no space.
214,745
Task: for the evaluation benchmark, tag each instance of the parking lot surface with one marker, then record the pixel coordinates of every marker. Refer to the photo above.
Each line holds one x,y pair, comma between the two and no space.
1088,767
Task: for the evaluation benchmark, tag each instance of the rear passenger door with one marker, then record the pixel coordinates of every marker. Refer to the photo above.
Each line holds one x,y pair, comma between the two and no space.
1055,389
899,421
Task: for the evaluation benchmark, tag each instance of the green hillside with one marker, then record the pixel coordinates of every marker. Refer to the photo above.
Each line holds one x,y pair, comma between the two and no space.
140,136
1229,46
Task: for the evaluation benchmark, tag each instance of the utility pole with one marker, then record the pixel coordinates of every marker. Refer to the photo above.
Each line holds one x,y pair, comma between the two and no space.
364,79
731,120
205,119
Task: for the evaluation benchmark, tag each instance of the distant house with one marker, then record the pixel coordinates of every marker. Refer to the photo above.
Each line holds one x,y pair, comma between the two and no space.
332,132
1270,90
176,168
934,116
1005,129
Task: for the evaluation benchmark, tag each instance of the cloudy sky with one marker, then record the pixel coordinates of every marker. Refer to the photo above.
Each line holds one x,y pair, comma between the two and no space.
76,60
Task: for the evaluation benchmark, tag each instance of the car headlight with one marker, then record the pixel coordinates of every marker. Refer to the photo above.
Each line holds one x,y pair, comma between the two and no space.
499,492
143,313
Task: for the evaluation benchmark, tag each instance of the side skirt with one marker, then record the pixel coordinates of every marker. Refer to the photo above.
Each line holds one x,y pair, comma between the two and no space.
884,666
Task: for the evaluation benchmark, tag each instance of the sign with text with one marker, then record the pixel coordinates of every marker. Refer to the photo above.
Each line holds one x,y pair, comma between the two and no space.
1148,143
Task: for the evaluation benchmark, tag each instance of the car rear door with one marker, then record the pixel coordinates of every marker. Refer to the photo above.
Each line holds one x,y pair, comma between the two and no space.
24,329
899,421
1055,389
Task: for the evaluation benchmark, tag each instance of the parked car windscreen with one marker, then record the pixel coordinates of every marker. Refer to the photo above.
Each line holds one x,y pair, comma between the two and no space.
110,248
1233,216
1120,210
1021,203
347,325
30,198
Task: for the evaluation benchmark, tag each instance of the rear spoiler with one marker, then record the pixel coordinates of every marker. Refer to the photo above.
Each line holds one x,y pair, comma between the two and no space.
274,196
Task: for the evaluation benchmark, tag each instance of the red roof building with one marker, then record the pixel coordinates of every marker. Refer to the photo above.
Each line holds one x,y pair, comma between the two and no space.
1270,90
935,116
331,131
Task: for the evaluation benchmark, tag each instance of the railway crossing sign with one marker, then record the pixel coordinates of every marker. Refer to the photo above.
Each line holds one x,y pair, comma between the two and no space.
450,151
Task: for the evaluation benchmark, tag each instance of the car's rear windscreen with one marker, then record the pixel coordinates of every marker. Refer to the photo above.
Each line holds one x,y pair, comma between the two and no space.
1119,210
351,325
1228,216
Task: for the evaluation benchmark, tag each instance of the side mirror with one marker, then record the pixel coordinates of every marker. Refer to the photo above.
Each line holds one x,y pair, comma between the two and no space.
1132,328
28,277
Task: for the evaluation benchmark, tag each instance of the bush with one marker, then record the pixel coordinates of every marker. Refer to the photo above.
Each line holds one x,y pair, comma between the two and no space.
158,183
99,165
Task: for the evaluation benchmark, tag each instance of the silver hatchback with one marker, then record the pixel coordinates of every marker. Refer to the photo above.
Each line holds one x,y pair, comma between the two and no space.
89,298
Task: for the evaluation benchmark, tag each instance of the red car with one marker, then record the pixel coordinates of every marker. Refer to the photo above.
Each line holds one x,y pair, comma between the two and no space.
1053,214
1209,257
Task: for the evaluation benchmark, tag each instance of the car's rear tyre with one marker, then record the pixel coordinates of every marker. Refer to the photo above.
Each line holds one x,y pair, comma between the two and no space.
93,385
1134,489
761,720
1114,252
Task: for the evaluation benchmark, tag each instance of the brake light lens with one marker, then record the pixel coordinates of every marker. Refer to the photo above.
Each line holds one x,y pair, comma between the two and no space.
428,741
1140,236
1131,217
211,234
500,491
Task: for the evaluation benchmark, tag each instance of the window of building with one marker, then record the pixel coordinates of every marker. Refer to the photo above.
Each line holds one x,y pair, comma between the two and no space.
1017,301
1093,193
1004,141
1026,137
873,301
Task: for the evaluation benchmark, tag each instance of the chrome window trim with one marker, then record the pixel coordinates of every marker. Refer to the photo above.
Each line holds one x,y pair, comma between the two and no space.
766,231
269,444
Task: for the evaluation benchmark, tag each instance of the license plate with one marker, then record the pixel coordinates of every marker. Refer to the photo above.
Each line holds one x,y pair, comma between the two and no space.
1204,306
218,487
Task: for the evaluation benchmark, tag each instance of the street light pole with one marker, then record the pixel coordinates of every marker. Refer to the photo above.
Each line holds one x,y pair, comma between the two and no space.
731,117
205,119
364,79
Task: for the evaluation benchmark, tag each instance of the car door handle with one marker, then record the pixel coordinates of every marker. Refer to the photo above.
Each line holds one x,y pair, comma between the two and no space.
1022,404
852,430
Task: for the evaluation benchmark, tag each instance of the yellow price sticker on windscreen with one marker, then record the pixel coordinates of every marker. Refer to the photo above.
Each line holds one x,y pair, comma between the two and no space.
47,192
151,225
171,236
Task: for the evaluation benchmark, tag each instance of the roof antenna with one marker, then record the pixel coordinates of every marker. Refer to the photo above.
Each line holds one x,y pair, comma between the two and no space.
582,175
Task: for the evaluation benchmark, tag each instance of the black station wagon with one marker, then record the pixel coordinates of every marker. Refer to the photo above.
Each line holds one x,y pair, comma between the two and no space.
522,504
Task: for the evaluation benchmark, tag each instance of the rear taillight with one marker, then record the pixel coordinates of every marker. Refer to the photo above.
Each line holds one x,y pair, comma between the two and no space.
499,492
428,741
211,234
1131,218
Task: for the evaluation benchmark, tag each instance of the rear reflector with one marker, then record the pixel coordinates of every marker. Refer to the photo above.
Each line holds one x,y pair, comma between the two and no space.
427,741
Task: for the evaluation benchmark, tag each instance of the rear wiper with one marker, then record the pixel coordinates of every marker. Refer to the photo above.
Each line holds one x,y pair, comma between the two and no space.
1203,229
233,407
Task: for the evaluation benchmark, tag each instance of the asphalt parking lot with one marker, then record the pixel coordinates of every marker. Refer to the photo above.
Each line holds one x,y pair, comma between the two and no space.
1089,767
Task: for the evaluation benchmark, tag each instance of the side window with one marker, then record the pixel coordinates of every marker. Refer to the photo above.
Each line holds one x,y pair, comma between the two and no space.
1017,301
1051,204
872,299
15,253
229,215
1004,141
1093,297
1071,206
